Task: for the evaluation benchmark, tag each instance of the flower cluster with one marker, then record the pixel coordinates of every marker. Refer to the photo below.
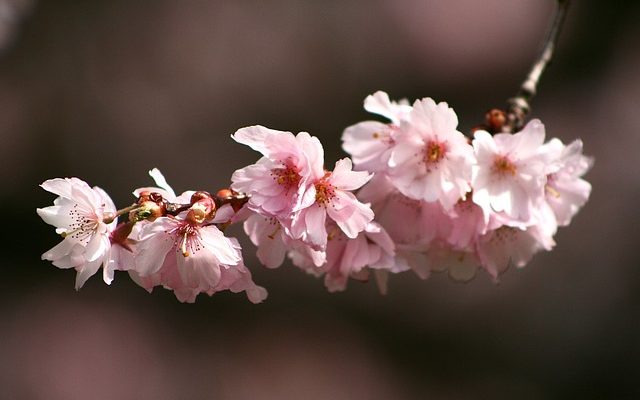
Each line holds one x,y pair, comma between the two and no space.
489,202
299,208
166,240
416,194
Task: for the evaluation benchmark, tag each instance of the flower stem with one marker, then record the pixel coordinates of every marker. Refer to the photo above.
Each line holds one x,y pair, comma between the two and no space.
110,218
519,105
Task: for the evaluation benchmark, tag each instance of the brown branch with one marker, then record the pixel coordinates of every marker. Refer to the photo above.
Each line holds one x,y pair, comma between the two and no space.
519,105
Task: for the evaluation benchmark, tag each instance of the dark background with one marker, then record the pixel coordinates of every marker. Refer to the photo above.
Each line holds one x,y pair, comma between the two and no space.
106,90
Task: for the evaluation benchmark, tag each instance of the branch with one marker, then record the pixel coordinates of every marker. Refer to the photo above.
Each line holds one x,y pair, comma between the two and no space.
519,105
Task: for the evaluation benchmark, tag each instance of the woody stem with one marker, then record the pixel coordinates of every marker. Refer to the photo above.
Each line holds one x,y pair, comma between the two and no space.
519,105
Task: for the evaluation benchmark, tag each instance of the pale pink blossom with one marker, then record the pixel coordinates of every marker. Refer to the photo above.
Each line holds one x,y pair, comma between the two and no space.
191,258
369,143
267,234
347,258
431,160
509,177
460,264
565,191
396,111
332,197
500,248
409,222
356,258
79,215
278,184
123,249
467,223
164,189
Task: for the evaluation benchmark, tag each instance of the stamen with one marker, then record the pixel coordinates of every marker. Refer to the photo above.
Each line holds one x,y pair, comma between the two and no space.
287,176
552,191
273,234
183,244
325,192
434,152
502,166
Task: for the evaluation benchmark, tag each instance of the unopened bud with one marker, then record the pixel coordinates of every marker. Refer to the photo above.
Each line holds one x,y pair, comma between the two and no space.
108,217
203,206
481,127
495,120
143,196
230,196
148,210
224,194
197,214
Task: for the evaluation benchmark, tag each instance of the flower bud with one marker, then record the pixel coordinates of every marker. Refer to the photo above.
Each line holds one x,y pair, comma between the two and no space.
203,207
197,214
495,120
224,194
148,210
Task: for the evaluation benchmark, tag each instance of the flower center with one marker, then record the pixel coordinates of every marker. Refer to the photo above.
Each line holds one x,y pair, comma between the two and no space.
503,166
434,152
187,239
82,227
288,177
325,192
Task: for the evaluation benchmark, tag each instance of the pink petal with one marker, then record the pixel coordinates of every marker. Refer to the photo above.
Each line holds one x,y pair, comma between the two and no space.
344,178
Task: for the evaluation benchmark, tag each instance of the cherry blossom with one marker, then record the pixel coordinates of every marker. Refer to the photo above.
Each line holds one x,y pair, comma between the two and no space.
565,191
467,223
190,257
372,251
84,216
460,264
500,248
431,160
333,198
281,182
417,196
509,177
369,143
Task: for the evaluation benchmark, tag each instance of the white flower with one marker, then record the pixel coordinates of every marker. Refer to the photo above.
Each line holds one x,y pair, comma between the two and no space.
431,160
565,191
509,176
79,216
369,142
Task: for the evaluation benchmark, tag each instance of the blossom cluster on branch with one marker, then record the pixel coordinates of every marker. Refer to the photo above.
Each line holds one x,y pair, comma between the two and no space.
416,194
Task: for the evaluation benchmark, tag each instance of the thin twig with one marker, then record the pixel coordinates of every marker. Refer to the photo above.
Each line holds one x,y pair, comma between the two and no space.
519,105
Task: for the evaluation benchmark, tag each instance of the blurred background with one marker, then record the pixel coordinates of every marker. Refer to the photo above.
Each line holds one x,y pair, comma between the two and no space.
106,90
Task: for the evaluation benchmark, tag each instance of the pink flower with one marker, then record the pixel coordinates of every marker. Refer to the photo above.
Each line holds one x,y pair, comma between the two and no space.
332,196
509,177
461,265
279,183
467,223
410,223
505,246
379,103
164,189
369,143
79,215
348,258
431,160
190,257
371,251
565,191
268,235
